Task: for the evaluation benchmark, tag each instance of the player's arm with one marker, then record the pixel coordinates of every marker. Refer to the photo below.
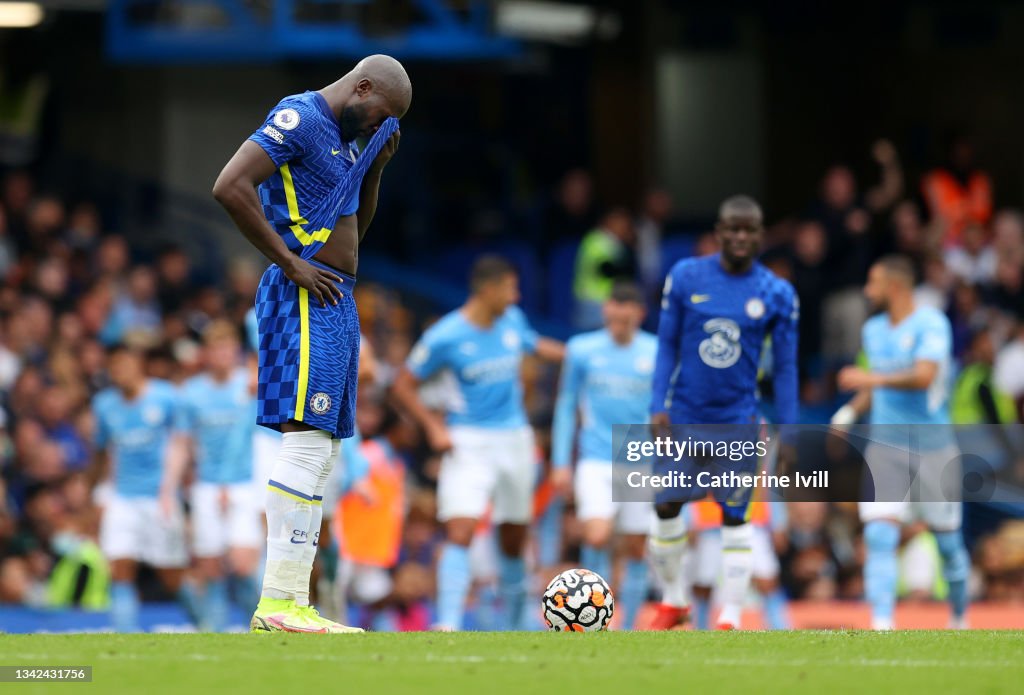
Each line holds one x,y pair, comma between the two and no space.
99,470
784,355
549,349
235,190
670,324
178,454
371,184
426,359
563,429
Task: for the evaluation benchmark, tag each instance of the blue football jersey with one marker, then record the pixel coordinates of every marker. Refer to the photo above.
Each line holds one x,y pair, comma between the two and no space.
220,419
135,434
482,365
608,384
318,175
711,332
924,335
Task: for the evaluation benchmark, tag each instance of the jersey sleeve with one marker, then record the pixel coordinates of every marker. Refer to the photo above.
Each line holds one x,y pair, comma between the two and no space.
350,186
428,355
563,428
935,340
670,323
288,131
785,339
101,435
526,332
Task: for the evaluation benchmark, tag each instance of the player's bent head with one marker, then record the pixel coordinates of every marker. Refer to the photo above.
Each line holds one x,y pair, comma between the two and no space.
382,89
494,280
624,310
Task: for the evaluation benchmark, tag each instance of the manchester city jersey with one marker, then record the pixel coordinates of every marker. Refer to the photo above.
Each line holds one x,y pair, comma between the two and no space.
711,332
924,335
136,433
220,420
318,175
608,384
482,365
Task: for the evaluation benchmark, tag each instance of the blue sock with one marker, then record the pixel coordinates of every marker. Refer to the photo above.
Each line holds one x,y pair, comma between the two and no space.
215,605
484,616
596,560
124,607
776,613
633,592
881,569
956,567
190,601
453,580
548,532
245,591
702,613
512,574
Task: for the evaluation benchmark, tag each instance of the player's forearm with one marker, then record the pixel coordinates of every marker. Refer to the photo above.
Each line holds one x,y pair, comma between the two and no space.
550,350
368,194
914,379
175,464
99,468
243,206
404,391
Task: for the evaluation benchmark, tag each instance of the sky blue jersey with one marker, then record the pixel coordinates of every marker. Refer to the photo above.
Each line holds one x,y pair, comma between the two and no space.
220,419
135,434
711,332
608,384
481,364
924,335
318,175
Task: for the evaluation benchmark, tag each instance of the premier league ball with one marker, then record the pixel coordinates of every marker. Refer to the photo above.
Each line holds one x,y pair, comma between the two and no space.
578,601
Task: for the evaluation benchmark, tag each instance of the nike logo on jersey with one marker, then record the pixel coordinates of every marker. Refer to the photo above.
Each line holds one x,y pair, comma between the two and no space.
335,152
698,298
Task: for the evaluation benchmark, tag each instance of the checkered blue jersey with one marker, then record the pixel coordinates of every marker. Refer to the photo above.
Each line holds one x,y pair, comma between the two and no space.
481,364
924,335
135,434
318,175
220,419
608,384
711,333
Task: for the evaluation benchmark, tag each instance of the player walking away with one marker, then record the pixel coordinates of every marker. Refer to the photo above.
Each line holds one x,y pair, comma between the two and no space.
487,440
715,314
143,520
317,196
216,416
606,379
909,352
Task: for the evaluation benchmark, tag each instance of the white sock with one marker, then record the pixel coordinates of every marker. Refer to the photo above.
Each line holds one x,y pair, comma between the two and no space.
309,553
737,561
667,546
289,508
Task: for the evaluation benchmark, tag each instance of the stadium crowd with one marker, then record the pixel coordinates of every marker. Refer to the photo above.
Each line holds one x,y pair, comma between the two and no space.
70,288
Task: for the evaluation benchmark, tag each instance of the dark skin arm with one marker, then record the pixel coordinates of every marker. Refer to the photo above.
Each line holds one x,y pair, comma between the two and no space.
235,190
371,184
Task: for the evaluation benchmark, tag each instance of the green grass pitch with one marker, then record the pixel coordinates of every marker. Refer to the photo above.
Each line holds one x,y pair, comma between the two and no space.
493,663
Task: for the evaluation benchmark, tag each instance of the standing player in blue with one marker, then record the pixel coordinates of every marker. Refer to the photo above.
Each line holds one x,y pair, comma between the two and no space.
317,196
144,520
606,380
488,442
716,312
217,415
909,352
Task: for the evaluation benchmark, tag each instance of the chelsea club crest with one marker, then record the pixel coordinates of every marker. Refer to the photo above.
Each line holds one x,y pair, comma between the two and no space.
320,403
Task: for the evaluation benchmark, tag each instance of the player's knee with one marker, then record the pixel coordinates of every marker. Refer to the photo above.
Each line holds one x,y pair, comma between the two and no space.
460,531
307,449
881,536
635,545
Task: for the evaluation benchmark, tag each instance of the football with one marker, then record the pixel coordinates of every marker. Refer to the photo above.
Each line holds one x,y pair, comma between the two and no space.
578,600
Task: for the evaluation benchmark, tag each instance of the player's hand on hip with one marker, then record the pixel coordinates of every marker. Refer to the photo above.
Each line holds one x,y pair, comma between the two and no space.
439,438
386,152
320,283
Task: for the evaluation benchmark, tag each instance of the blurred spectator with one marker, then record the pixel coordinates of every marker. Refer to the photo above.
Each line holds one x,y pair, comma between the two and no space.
1008,374
136,313
650,229
958,192
174,273
572,213
606,255
973,260
808,251
935,285
848,246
